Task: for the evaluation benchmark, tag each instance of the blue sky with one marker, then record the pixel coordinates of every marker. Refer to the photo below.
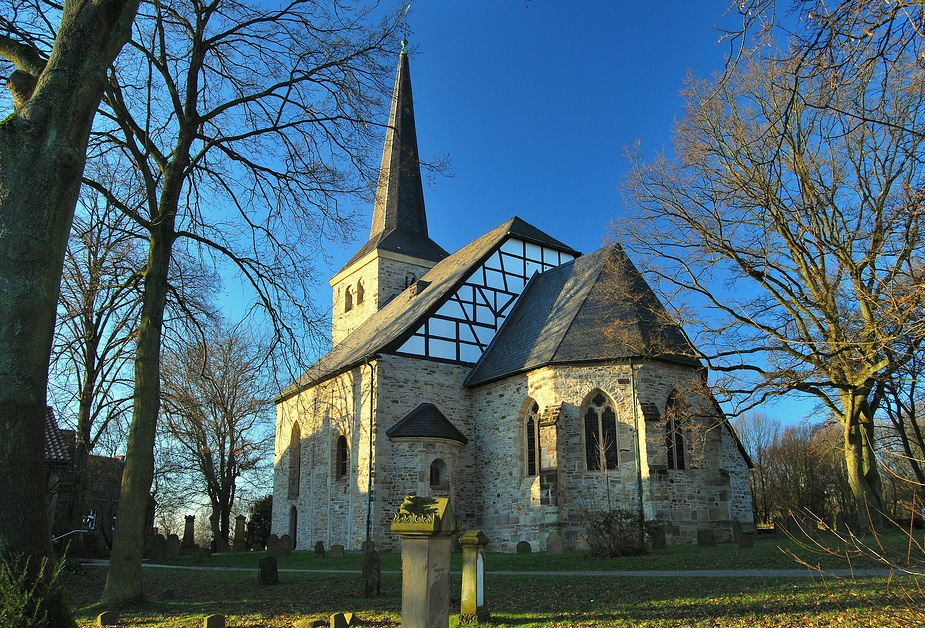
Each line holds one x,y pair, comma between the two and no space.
534,103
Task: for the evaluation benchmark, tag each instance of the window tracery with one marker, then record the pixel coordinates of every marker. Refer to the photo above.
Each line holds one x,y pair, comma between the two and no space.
600,433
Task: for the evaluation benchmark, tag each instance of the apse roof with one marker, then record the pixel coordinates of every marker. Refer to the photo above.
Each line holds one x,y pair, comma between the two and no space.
595,308
426,421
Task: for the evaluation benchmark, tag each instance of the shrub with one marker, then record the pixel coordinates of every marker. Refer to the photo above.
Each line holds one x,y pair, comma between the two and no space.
614,533
22,598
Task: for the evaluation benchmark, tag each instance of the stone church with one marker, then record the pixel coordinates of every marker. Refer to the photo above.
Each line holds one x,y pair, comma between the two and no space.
523,380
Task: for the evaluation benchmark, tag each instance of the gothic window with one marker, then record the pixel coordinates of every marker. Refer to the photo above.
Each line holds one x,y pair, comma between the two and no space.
342,457
600,431
674,432
295,461
462,327
438,478
532,440
348,299
293,524
360,292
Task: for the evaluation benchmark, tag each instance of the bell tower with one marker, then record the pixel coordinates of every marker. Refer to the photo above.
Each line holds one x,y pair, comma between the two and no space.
399,250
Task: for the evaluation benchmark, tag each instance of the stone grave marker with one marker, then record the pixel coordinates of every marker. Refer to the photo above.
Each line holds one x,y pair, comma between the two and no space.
554,543
372,573
523,547
736,530
426,525
319,550
201,555
368,546
188,543
158,551
273,548
746,540
341,620
173,547
706,537
285,545
472,599
107,618
267,573
239,543
337,551
658,538
213,621
222,546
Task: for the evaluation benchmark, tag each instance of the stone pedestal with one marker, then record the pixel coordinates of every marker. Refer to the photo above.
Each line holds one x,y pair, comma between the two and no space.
188,544
472,603
239,542
425,525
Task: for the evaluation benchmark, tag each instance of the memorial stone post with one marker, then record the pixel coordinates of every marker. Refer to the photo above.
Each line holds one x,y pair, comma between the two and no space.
472,604
239,543
188,544
425,525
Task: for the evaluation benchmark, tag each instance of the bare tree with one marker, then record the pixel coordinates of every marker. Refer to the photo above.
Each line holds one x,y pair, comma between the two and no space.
216,392
55,94
790,223
245,125
97,318
758,433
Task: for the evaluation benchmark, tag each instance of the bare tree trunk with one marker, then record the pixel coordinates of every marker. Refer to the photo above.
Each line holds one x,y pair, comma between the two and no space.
42,148
123,583
861,460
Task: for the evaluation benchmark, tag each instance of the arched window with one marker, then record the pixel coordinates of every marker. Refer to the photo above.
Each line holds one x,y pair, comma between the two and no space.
348,299
532,440
293,524
675,411
295,461
360,292
342,457
601,444
438,474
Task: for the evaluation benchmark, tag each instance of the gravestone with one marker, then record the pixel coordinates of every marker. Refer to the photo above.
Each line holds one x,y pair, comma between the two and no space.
239,539
746,540
222,546
285,545
273,547
658,537
706,537
372,573
201,555
188,543
173,547
736,530
158,551
319,550
368,546
213,621
472,599
523,547
337,551
108,618
341,620
554,543
267,573
426,525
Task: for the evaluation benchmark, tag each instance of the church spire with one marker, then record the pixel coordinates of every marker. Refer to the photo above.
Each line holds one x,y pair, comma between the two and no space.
400,195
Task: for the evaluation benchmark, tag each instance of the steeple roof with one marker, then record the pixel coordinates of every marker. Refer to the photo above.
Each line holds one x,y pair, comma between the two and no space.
399,221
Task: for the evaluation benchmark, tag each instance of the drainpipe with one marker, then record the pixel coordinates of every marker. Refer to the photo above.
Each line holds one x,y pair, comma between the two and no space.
642,514
372,426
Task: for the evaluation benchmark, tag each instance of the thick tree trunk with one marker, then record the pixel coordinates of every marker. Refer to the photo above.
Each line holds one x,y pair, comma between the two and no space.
861,460
123,582
42,149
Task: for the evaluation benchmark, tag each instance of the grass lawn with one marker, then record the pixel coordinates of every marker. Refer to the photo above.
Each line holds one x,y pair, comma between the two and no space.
180,598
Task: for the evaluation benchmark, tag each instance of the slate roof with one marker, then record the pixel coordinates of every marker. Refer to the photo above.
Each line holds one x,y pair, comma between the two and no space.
387,329
399,221
596,308
56,448
426,421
